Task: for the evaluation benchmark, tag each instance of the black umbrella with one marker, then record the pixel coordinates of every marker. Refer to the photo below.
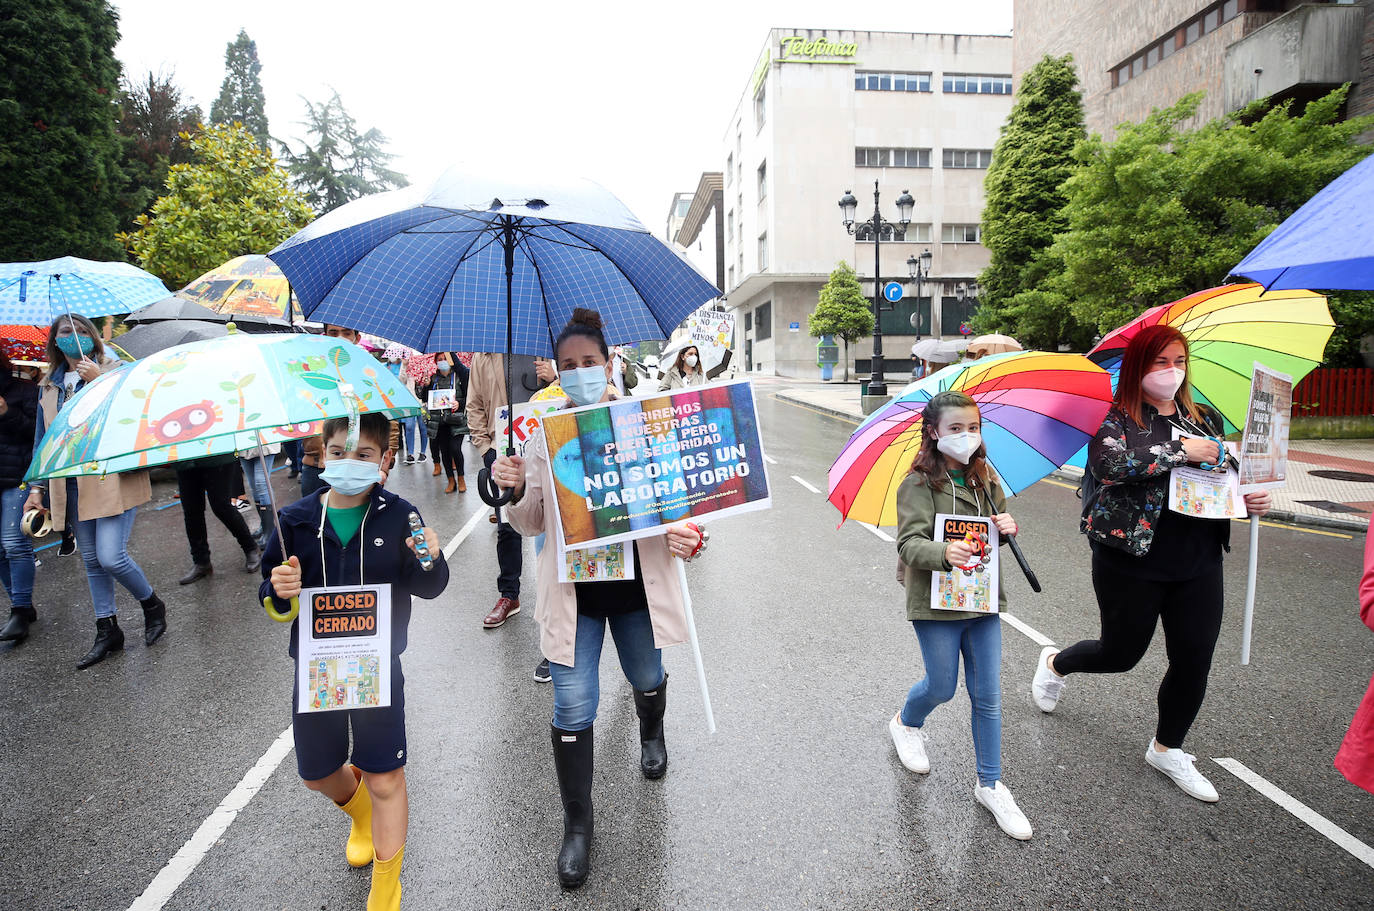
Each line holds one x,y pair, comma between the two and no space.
151,338
174,308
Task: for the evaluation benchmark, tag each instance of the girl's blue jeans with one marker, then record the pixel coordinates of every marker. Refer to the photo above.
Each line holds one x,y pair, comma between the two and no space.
577,689
979,641
104,547
259,471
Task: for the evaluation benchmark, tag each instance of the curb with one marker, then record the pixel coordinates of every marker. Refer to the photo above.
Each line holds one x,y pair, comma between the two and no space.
1074,475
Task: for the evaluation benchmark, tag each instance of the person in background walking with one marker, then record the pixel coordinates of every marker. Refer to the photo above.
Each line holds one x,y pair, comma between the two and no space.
18,414
207,479
106,505
1355,759
686,371
1151,565
312,463
257,466
447,444
624,376
645,614
950,474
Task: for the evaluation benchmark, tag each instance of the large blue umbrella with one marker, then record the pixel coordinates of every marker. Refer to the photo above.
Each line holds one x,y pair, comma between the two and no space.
34,294
481,264
1328,243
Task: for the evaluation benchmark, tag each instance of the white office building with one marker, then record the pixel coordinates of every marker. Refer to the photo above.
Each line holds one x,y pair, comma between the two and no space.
824,112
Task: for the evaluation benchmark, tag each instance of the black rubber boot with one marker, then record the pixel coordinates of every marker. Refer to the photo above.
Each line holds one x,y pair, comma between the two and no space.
264,525
252,559
109,638
16,628
154,619
198,571
572,759
653,752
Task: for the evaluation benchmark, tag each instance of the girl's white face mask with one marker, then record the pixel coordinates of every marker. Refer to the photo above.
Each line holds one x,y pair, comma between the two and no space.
1162,385
960,446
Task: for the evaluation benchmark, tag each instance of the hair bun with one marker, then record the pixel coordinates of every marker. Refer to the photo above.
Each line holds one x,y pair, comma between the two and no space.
584,317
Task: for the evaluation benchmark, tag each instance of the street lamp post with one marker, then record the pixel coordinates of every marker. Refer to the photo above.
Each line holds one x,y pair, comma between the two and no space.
918,269
848,206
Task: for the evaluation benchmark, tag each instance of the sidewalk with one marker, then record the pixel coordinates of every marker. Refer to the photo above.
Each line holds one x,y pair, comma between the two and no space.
1330,482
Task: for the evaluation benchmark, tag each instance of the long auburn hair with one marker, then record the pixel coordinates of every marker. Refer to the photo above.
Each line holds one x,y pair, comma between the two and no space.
929,463
1137,360
55,355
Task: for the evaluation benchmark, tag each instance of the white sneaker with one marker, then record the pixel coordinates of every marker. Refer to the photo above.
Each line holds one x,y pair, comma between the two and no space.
1046,685
1178,765
1003,808
910,744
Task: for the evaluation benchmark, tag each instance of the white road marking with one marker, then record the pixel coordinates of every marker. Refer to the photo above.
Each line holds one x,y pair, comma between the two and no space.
463,533
769,459
1030,633
1343,839
805,484
185,861
879,532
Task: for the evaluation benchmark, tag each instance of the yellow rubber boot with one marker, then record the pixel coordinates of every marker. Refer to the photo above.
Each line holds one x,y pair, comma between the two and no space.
359,809
386,884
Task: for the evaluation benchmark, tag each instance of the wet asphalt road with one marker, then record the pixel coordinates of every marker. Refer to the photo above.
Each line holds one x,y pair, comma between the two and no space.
797,802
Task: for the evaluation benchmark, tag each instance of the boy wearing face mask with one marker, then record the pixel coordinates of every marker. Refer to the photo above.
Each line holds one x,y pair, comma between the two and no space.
950,474
357,532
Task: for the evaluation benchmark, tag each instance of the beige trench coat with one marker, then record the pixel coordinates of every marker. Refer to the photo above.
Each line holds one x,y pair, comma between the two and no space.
555,609
97,496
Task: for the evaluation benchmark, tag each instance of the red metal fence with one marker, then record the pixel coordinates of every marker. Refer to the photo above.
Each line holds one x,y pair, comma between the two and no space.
1332,392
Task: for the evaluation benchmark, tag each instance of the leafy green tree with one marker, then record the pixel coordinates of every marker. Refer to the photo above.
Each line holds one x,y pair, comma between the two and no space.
233,199
1162,211
1025,205
60,174
842,310
155,124
338,163
241,98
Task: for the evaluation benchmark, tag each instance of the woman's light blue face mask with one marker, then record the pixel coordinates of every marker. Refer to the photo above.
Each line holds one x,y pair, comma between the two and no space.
584,385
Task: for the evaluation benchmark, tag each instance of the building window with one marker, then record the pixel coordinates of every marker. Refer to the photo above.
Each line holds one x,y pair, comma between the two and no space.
730,279
729,167
749,321
912,233
763,181
730,225
891,158
1208,20
891,82
967,158
759,113
969,84
962,234
897,321
684,206
763,321
918,233
763,252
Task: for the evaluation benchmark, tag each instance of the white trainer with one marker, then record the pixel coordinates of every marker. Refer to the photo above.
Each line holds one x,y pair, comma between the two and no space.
1178,765
910,744
1046,685
1003,808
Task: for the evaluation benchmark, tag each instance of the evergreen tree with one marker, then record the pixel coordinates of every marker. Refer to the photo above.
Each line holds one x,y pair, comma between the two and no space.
233,199
240,95
842,310
337,163
155,125
1025,206
60,175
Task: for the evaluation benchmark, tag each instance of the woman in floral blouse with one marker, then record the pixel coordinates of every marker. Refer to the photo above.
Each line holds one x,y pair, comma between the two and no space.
1150,564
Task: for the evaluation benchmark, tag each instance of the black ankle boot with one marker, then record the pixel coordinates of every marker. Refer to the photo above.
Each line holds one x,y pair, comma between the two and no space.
16,628
154,618
264,526
252,559
198,571
572,759
109,638
653,752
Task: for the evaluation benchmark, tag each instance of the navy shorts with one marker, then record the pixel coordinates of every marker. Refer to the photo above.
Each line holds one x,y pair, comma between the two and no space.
379,735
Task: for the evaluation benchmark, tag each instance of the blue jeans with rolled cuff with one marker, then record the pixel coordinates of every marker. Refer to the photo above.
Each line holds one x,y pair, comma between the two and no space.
16,550
577,689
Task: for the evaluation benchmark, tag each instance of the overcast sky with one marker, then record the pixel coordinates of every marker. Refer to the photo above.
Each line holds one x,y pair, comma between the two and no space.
633,95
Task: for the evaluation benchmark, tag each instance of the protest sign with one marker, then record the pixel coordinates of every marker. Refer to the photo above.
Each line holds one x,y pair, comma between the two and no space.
344,648
442,400
1264,444
971,588
625,469
711,328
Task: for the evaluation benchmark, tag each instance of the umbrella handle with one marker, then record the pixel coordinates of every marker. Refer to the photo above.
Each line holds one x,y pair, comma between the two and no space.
1025,567
282,616
491,494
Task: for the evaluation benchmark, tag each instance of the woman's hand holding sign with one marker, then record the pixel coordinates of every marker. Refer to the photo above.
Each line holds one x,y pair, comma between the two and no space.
509,472
286,579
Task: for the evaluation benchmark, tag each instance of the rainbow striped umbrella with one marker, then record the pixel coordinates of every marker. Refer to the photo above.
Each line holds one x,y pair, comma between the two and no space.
1038,409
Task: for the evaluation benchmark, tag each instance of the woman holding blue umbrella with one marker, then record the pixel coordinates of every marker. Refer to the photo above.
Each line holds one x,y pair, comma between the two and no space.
104,506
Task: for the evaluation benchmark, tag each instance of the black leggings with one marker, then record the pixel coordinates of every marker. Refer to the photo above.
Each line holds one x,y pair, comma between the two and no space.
1191,614
447,449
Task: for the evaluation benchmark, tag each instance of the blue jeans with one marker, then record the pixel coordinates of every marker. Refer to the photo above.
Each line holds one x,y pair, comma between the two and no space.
258,471
979,640
104,547
577,689
16,550
411,429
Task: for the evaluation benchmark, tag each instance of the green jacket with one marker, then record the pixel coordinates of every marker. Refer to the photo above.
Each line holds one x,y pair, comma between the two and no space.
917,505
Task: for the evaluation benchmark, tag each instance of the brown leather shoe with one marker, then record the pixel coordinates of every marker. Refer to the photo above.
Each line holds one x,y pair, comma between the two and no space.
452,486
505,608
462,484
492,518
437,468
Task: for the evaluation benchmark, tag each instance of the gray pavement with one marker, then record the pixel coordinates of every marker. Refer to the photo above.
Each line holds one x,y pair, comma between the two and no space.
797,802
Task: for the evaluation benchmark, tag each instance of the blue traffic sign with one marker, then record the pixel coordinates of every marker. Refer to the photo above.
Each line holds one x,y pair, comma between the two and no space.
892,291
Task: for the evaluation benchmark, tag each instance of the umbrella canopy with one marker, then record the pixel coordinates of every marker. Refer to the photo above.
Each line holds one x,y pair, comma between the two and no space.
247,289
174,307
34,294
214,397
939,351
150,338
439,267
1038,408
1328,243
984,345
